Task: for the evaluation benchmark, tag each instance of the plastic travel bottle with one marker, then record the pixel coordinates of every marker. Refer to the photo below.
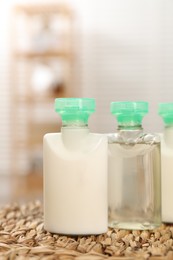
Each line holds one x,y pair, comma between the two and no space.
134,170
75,173
166,112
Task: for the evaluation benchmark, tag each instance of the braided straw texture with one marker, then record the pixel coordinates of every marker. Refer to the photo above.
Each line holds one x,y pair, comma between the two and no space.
22,236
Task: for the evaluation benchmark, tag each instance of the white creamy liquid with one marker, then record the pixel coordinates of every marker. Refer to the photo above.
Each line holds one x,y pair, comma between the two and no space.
75,182
167,174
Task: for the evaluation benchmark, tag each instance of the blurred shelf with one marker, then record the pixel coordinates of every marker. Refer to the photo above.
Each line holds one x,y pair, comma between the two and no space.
33,9
31,108
35,129
46,54
20,188
37,98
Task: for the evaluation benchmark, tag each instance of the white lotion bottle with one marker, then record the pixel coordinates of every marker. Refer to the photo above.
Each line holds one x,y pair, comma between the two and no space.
75,172
166,112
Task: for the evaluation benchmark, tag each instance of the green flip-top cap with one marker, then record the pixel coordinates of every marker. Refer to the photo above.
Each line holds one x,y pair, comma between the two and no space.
75,109
129,112
166,112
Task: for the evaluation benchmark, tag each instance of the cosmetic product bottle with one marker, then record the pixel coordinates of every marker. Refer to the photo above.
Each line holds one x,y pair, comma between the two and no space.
166,112
133,170
75,172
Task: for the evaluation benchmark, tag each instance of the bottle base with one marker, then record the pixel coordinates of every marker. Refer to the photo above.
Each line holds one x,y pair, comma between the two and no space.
66,232
133,225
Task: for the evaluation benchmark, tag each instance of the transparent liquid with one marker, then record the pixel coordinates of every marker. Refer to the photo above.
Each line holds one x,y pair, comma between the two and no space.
134,184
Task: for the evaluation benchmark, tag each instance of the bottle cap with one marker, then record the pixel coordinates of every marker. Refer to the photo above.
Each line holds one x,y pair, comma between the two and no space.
166,112
75,109
129,113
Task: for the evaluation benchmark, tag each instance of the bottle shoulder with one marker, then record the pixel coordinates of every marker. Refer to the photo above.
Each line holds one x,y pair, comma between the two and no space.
167,140
88,143
99,137
134,137
47,135
96,136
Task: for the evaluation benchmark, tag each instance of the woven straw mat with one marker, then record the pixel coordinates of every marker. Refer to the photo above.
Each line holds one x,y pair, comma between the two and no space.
22,236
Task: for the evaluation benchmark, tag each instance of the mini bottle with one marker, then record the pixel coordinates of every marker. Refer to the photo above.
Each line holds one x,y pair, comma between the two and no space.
133,170
166,112
75,172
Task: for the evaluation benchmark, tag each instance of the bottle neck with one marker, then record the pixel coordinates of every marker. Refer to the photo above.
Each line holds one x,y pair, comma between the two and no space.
129,122
129,133
128,127
75,129
79,119
168,134
74,135
169,126
74,124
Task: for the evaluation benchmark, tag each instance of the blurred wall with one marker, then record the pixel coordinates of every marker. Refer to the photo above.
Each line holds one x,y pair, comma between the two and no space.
5,93
127,55
124,50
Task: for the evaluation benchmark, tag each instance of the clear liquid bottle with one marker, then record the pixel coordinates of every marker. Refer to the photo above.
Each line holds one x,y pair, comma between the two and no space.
75,172
133,170
166,112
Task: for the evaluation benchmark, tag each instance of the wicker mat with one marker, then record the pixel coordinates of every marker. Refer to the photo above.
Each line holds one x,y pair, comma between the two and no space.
22,236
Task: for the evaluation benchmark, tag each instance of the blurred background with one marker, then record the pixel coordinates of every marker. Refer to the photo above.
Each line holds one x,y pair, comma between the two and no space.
112,50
